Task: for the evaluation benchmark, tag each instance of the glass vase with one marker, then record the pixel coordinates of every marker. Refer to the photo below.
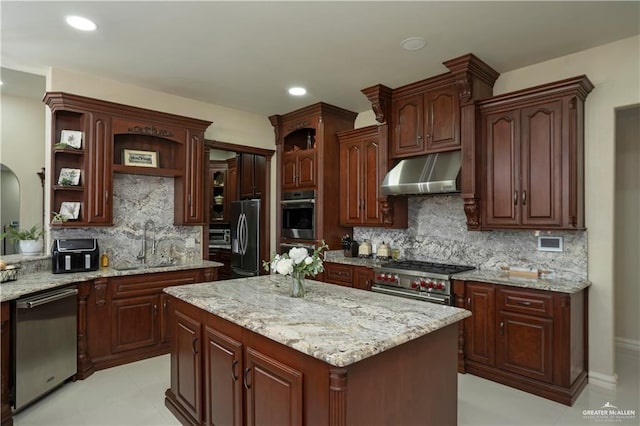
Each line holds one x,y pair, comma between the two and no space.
297,284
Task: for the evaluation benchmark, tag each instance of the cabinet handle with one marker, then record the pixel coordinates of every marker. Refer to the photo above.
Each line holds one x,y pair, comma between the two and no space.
234,364
247,385
155,310
524,303
515,198
189,200
106,195
524,198
502,328
164,306
419,137
468,302
194,349
428,135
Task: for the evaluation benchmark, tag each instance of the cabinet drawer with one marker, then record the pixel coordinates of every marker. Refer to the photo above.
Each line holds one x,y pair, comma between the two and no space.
525,301
338,274
143,284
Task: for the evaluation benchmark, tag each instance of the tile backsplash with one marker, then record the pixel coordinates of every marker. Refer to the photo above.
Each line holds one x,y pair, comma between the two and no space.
136,199
437,231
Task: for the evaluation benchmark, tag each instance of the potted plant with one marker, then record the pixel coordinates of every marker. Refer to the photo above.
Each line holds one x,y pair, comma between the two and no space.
29,240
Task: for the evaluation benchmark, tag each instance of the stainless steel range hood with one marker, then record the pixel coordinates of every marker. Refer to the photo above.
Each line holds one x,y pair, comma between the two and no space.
429,174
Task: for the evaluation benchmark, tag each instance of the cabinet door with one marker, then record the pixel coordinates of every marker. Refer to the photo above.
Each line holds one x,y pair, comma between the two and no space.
134,323
526,345
186,361
363,277
274,391
218,187
337,273
223,379
193,180
259,167
307,169
443,119
231,192
350,183
99,174
252,169
480,327
541,145
371,180
502,166
408,121
289,169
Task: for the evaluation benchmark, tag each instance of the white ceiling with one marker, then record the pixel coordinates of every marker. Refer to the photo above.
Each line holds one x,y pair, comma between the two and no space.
245,55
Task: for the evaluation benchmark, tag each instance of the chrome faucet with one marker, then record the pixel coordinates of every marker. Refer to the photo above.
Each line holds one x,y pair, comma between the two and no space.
142,255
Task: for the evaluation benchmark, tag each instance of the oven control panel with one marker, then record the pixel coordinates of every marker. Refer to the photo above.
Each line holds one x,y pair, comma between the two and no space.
412,282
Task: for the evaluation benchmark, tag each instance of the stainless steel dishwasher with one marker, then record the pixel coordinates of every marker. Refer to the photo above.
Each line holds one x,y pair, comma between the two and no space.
45,343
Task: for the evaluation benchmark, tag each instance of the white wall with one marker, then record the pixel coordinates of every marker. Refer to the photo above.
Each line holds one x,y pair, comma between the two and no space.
627,228
22,149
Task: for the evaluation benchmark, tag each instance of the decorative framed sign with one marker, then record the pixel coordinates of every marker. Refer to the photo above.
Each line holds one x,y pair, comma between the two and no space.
72,138
70,210
69,177
136,158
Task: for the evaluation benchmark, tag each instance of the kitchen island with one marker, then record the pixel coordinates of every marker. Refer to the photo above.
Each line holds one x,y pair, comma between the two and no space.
244,352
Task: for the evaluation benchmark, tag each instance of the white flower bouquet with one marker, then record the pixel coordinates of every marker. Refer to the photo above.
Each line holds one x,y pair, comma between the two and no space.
298,262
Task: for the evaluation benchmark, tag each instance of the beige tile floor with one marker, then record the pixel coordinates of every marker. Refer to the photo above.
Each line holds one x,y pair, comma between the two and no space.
133,394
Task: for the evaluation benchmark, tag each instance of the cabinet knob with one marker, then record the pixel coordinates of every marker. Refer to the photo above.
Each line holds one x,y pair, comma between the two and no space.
155,310
428,135
502,328
419,137
468,302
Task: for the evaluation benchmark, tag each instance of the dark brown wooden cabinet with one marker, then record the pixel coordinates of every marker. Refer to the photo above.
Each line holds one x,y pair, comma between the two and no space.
360,277
299,169
219,206
108,129
222,256
363,164
308,158
533,157
529,339
241,384
251,175
126,318
424,122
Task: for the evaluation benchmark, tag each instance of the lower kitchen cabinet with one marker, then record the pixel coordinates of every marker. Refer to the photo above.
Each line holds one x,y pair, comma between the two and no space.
126,318
530,339
222,256
360,277
240,383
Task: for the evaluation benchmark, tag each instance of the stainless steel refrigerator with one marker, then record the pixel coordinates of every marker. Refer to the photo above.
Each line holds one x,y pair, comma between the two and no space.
245,238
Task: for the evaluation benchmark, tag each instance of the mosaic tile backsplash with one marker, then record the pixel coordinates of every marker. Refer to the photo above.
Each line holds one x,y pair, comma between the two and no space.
437,232
137,199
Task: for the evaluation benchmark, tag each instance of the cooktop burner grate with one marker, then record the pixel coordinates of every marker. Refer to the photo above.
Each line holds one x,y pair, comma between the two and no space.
421,266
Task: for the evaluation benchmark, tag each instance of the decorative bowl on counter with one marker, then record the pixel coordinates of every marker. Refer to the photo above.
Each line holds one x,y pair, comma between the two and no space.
10,273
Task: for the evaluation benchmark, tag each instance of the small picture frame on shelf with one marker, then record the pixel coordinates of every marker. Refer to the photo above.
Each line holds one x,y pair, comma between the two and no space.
70,210
131,157
69,177
71,139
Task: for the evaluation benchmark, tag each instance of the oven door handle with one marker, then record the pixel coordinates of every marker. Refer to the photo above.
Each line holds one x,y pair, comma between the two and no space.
384,290
301,201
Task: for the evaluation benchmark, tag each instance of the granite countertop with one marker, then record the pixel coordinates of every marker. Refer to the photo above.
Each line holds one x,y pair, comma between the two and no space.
370,262
501,277
38,281
337,325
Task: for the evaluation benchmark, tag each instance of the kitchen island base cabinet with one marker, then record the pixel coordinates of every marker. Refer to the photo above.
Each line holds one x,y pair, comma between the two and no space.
246,378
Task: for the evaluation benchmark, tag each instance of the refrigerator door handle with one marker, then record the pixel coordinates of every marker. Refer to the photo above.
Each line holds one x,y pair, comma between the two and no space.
243,235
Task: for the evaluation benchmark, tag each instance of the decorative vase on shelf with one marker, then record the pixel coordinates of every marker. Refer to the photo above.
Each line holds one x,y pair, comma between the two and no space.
297,284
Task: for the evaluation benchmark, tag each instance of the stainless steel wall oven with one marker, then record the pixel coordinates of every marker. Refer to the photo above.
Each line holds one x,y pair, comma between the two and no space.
298,209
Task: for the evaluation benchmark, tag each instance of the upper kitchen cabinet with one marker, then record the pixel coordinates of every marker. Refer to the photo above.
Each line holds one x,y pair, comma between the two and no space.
102,138
308,154
533,157
218,184
251,169
363,165
425,120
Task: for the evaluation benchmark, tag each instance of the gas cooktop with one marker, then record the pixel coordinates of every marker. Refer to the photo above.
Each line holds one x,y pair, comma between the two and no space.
428,267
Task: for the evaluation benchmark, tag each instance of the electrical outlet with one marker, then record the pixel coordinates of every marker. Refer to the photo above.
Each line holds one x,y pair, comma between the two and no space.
190,243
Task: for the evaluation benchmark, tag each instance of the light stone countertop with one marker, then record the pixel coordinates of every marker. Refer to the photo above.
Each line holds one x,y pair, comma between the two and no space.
38,281
335,324
501,277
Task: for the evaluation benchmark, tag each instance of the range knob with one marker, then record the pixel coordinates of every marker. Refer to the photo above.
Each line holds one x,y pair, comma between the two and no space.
415,284
440,286
431,284
380,277
423,283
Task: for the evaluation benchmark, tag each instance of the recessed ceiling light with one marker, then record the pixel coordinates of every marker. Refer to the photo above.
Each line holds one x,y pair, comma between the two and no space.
413,43
80,23
297,91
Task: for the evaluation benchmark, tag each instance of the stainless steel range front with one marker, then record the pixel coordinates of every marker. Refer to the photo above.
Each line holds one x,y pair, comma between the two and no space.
427,281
